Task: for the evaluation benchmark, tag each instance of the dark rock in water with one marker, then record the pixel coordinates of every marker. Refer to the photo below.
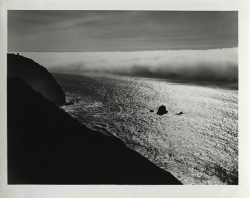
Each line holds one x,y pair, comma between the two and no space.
36,76
179,113
69,103
162,110
151,110
47,146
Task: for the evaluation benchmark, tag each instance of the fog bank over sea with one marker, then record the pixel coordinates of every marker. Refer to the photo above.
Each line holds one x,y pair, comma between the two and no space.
214,65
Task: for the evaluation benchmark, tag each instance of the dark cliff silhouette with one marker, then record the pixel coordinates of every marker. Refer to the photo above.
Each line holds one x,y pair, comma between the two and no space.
36,76
48,146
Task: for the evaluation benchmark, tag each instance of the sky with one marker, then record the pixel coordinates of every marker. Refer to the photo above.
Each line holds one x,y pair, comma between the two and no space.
126,31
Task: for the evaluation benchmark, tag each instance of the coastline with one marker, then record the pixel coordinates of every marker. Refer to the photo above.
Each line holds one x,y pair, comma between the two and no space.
47,146
158,138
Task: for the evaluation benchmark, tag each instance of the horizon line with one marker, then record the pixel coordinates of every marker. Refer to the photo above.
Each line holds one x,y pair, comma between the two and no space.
127,51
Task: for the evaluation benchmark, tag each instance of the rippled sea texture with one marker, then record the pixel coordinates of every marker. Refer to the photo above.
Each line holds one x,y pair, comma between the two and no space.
198,147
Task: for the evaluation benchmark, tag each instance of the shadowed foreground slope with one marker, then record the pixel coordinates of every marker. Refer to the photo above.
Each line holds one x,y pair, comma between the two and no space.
36,76
47,146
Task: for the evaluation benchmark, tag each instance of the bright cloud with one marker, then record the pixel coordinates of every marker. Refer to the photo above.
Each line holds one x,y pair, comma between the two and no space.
195,65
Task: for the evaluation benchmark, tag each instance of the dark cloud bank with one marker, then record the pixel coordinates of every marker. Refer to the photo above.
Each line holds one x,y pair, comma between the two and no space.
50,30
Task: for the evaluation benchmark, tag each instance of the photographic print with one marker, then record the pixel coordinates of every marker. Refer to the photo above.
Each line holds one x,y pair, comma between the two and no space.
122,97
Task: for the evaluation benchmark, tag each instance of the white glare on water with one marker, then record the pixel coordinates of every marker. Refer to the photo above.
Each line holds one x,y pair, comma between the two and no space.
198,147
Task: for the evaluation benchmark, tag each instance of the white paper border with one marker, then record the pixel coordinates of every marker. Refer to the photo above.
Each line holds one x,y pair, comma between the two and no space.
137,191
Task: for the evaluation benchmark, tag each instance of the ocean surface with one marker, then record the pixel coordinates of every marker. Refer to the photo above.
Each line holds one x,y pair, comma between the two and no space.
198,147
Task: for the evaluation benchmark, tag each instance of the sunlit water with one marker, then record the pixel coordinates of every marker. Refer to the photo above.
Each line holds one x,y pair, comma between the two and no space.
197,147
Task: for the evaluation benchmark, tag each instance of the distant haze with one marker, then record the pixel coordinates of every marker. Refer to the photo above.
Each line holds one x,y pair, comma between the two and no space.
194,65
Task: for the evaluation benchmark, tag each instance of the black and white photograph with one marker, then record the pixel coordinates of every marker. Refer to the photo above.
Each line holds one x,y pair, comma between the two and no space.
122,97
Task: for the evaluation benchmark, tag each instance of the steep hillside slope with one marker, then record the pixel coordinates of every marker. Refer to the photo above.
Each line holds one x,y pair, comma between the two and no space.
47,146
36,76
